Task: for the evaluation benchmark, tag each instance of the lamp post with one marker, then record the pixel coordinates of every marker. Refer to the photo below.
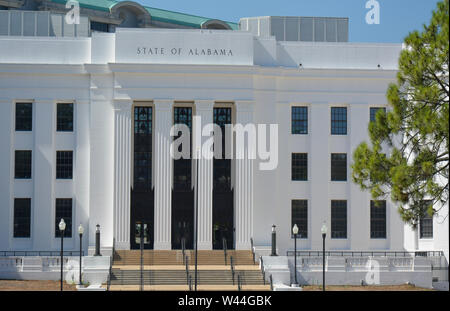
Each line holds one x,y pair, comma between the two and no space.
97,241
274,241
80,232
324,230
295,232
62,227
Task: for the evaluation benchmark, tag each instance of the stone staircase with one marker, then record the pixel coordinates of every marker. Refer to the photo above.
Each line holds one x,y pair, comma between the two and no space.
175,257
165,268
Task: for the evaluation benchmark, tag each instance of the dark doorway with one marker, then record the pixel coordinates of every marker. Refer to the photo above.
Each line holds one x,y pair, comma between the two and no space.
183,193
142,194
223,198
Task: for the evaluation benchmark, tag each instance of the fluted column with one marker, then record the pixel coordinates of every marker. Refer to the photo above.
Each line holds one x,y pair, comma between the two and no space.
244,183
163,174
122,173
204,109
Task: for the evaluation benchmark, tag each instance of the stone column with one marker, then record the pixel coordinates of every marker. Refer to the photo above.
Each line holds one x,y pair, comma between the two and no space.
122,173
204,109
163,174
243,190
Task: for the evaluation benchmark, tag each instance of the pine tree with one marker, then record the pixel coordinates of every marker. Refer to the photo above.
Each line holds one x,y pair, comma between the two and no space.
414,132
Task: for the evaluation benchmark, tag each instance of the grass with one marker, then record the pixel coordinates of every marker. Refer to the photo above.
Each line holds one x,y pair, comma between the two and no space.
21,285
365,288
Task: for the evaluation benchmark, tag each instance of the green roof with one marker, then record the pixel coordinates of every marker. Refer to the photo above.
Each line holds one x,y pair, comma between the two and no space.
156,14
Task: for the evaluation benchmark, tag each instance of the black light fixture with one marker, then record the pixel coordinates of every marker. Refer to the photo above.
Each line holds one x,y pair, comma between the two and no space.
62,227
97,240
274,241
80,232
324,230
295,232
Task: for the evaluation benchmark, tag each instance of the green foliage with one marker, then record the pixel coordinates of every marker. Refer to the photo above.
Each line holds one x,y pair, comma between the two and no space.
415,131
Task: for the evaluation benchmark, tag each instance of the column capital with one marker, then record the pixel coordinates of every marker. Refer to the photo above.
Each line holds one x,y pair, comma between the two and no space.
163,103
204,104
244,105
122,104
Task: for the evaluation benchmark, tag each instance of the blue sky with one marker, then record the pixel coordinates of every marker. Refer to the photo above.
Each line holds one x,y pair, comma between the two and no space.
397,17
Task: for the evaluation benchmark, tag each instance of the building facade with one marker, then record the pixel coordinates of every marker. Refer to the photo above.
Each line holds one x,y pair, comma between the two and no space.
85,134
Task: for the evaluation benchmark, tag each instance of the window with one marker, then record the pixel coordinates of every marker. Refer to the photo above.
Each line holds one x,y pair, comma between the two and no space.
299,166
64,164
299,216
378,219
338,219
64,119
182,167
143,148
97,26
338,121
299,120
22,218
222,166
426,221
24,119
373,112
22,164
339,167
63,209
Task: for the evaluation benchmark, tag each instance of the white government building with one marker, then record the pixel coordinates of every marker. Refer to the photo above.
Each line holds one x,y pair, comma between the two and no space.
86,112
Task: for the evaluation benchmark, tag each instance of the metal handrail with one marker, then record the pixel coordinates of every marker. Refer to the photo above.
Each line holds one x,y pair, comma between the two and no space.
271,282
183,249
253,249
367,253
111,260
190,283
262,269
232,268
224,242
239,281
187,269
141,242
40,253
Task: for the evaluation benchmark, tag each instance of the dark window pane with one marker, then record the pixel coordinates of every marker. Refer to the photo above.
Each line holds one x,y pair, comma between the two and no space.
64,163
339,219
143,122
299,166
377,219
300,217
222,167
22,218
64,119
22,167
299,120
338,121
64,211
373,112
182,167
426,222
24,116
97,26
338,166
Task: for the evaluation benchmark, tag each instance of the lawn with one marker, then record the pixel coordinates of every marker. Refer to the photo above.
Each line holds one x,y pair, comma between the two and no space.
18,285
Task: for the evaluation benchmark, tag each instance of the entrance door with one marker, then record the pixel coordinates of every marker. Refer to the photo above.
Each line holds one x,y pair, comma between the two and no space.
182,219
138,226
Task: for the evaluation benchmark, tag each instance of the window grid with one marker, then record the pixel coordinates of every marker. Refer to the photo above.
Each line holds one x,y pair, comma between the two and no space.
24,116
64,119
182,171
64,164
338,219
22,218
300,217
374,111
22,164
426,221
63,209
378,219
299,120
338,167
143,118
338,120
299,166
